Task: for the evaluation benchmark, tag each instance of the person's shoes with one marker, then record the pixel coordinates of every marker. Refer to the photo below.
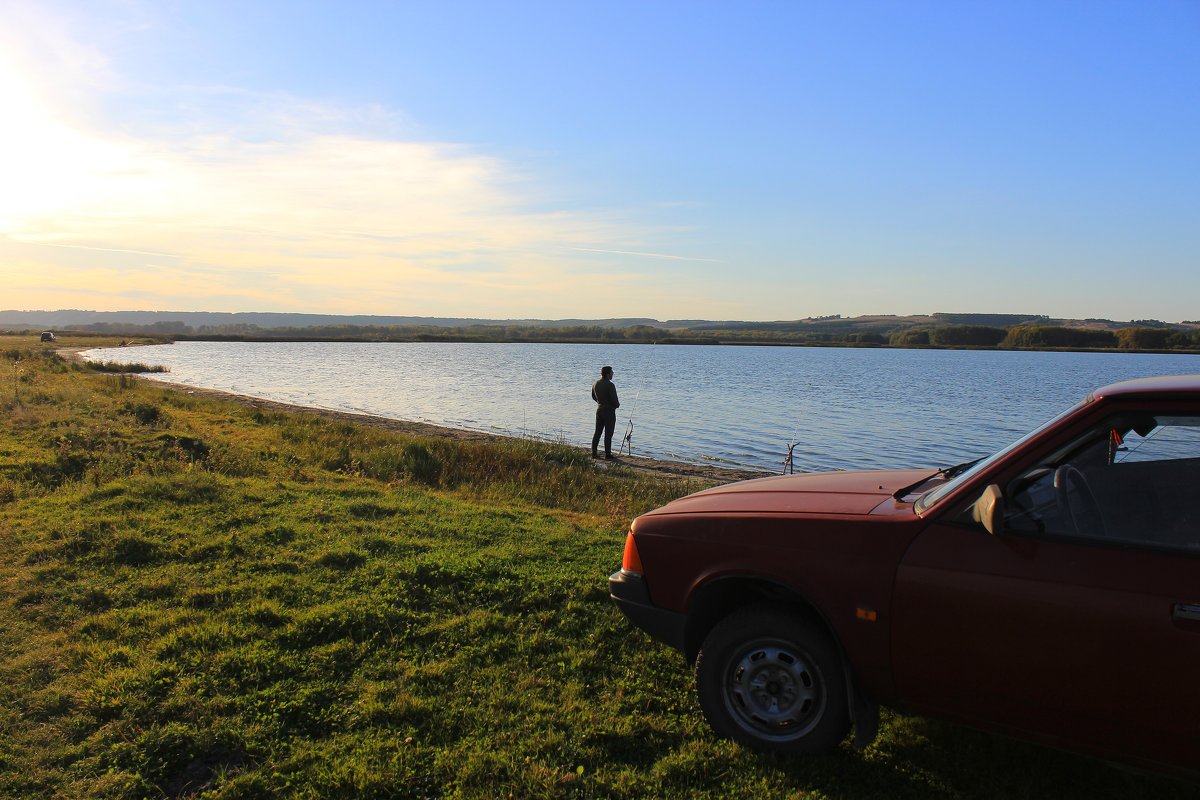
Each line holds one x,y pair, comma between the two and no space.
609,457
595,454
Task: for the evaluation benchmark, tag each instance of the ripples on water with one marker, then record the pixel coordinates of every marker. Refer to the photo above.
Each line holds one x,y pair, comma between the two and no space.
845,408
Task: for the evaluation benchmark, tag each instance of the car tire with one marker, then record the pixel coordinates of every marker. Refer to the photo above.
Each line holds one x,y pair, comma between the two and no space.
773,682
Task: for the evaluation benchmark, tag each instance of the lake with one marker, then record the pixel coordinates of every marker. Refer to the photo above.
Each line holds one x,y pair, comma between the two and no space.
843,408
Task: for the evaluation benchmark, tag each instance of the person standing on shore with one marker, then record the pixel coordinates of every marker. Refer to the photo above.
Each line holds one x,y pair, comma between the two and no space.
605,395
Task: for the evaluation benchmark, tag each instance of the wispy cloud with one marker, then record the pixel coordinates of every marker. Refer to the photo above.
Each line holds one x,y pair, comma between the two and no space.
281,201
101,249
330,216
662,256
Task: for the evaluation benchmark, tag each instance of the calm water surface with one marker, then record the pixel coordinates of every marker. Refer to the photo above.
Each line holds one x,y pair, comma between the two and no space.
844,408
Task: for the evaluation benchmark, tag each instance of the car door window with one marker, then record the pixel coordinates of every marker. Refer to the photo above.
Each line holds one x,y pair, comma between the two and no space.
1131,481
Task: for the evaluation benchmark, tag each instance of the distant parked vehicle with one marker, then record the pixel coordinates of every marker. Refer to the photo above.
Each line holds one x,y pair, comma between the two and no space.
47,336
1050,591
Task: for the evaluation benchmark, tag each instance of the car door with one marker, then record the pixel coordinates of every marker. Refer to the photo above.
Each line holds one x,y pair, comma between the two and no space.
1080,623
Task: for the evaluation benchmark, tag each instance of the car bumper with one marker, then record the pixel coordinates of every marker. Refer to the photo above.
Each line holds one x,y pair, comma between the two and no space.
629,592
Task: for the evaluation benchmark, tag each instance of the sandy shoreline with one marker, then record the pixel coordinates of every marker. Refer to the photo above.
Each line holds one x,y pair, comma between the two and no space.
668,469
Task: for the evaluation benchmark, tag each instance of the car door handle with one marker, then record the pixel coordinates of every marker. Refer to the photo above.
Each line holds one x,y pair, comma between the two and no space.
1187,611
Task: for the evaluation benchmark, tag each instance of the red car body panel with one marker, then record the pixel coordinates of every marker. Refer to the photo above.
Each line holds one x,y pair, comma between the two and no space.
1090,656
1073,644
750,528
829,493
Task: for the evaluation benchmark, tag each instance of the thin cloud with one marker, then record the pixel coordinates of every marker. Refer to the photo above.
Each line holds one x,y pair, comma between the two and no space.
662,256
103,249
280,201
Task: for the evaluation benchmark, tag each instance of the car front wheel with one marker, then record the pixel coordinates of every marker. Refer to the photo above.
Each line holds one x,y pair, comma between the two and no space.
773,682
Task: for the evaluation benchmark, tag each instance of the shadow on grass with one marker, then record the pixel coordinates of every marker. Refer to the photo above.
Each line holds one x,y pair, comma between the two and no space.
922,758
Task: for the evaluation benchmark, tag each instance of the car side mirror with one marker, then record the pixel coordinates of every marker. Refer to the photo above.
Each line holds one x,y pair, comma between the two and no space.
988,510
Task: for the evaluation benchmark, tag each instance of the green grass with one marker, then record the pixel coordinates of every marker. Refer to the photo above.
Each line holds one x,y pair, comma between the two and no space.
198,598
116,366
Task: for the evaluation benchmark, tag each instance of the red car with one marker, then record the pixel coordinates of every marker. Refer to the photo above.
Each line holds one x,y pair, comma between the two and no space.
1050,591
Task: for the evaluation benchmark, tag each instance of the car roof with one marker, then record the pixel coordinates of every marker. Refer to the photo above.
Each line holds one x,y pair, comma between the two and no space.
1165,385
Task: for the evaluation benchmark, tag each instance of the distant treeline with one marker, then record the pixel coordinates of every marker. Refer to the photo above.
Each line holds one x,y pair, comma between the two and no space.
1049,337
1031,333
1131,338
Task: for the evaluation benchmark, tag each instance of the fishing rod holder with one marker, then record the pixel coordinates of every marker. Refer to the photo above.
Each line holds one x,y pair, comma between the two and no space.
789,465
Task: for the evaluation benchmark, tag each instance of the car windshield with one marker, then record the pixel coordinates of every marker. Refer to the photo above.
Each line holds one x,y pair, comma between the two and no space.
929,499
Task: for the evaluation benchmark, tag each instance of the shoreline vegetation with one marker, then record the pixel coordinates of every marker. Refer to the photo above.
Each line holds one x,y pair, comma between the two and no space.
941,331
710,473
208,597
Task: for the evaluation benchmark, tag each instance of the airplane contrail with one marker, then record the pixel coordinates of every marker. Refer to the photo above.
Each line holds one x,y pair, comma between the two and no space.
102,249
663,256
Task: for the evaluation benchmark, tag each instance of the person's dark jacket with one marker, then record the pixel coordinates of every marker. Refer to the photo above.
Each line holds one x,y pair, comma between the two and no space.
604,392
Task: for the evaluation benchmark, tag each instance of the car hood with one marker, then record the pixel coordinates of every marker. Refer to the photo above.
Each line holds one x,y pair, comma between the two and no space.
850,493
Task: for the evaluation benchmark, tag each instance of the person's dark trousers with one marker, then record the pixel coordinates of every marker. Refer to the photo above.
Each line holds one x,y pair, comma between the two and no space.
606,423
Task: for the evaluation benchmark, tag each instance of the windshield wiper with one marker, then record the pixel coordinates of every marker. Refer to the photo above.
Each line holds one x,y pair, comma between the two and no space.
946,472
957,469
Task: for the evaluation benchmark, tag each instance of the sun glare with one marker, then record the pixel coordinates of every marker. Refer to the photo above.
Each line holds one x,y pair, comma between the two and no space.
47,164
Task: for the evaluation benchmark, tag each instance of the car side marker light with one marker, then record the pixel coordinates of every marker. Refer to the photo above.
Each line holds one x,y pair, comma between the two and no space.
866,614
631,561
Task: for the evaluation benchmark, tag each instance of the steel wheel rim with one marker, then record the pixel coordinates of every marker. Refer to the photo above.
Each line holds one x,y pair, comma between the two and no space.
775,690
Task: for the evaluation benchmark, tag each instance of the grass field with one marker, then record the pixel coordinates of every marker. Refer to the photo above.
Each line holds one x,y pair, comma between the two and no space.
201,598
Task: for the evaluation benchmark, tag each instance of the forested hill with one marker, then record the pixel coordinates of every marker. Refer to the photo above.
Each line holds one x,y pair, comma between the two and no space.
931,330
215,320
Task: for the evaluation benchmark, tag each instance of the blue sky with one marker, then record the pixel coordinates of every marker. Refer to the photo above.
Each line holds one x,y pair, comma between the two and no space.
753,160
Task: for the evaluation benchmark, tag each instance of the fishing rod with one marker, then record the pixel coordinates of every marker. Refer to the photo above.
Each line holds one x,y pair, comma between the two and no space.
789,466
627,441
